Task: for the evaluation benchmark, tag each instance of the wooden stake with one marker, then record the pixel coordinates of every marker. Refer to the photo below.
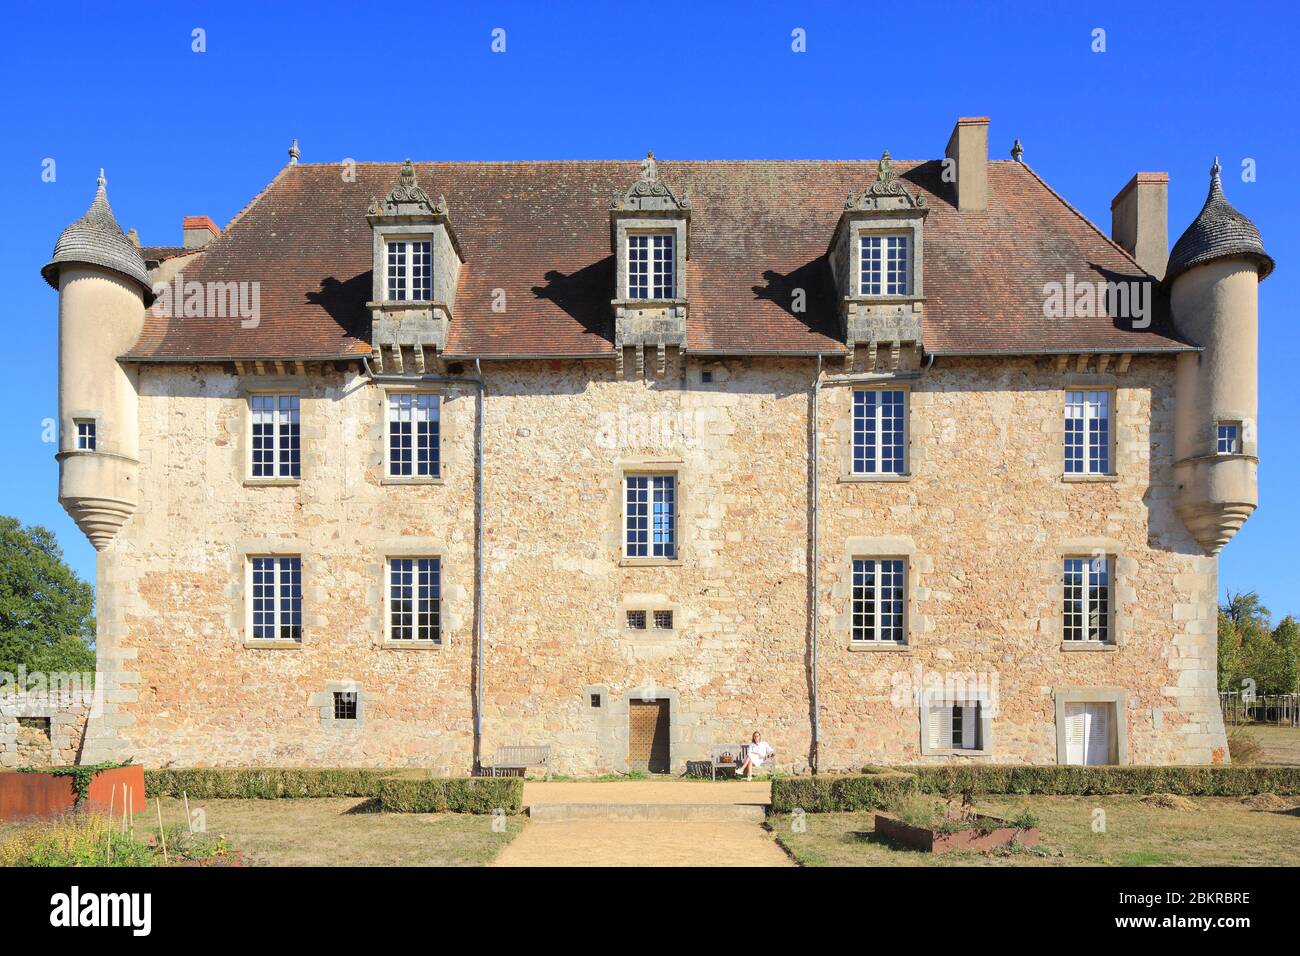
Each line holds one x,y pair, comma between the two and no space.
189,820
162,834
108,835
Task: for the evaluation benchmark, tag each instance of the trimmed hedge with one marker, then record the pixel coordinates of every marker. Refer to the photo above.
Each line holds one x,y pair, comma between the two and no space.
263,783
1231,781
877,787
453,795
870,791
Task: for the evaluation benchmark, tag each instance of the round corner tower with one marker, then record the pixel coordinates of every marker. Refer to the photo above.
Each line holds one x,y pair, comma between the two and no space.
1214,273
103,292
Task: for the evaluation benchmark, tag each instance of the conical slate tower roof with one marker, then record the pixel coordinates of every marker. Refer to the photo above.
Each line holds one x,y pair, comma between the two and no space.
1218,232
97,239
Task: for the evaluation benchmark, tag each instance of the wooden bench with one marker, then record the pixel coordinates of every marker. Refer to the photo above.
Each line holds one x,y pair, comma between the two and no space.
520,757
737,753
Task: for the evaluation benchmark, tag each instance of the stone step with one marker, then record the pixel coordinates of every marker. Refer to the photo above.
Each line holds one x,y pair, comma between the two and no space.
707,812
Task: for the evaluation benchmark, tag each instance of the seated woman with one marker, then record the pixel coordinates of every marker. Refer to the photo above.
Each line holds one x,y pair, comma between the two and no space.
760,751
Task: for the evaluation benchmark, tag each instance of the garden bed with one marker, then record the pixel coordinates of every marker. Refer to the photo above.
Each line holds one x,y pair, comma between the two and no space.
38,794
981,833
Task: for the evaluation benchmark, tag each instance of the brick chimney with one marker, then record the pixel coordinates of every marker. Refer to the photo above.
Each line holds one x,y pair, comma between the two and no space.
1139,220
199,231
968,148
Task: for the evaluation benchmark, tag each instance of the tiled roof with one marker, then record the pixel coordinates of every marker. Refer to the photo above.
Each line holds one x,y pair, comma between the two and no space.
540,232
97,239
1218,232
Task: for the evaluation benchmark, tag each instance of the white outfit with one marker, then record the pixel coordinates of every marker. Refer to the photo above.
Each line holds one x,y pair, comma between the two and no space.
759,752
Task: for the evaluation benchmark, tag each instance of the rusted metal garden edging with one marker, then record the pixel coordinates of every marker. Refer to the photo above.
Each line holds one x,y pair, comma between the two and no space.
27,794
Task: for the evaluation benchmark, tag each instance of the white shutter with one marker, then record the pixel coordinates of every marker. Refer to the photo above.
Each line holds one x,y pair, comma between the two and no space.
945,726
970,727
933,727
1075,730
1098,740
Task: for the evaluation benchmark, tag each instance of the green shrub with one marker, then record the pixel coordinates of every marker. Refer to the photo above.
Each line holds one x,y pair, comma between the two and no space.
264,783
818,794
453,795
1100,781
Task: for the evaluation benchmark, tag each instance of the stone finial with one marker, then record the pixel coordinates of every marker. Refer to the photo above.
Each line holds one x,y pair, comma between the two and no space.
648,193
649,169
887,184
1017,152
294,152
134,237
407,198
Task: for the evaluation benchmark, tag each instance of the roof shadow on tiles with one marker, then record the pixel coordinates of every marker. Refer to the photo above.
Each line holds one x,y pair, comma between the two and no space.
928,176
584,295
817,299
1157,300
345,302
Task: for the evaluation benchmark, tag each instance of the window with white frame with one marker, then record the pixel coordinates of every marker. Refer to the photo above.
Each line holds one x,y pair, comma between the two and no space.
276,451
413,435
1229,438
651,266
1088,599
275,606
1090,733
879,600
85,434
409,270
650,516
955,725
879,432
1087,433
885,266
415,599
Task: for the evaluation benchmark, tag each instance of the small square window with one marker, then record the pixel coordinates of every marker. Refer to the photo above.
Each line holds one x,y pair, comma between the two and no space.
85,435
706,377
636,620
664,620
1229,438
345,705
595,700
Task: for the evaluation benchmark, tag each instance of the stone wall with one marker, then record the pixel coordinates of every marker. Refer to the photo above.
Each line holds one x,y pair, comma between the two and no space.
41,731
983,521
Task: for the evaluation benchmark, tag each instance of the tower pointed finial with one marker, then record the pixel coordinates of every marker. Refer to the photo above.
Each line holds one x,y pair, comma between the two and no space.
1216,168
101,182
1017,151
294,152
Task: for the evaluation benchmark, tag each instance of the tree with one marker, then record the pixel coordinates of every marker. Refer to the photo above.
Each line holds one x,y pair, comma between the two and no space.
1287,637
1230,664
47,619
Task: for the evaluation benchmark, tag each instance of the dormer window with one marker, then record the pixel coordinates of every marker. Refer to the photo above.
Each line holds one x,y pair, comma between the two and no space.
410,270
885,265
650,266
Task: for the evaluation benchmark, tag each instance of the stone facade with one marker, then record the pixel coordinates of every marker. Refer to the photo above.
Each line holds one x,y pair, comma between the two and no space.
982,519
42,731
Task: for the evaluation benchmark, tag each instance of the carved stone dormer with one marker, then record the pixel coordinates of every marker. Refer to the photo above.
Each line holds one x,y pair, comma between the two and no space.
877,265
649,230
417,261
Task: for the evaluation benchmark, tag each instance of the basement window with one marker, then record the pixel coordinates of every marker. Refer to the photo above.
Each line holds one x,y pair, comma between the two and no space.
276,445
275,609
879,600
415,600
413,435
1088,585
345,705
85,434
664,620
409,270
636,620
595,700
879,431
1229,438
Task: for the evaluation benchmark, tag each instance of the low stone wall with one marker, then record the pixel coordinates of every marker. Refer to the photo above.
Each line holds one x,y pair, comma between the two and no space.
42,731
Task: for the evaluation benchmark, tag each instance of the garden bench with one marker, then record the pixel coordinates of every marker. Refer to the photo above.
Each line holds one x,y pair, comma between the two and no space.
737,754
520,757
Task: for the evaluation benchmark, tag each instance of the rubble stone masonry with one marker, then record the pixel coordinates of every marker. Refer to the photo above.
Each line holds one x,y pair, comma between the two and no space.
983,521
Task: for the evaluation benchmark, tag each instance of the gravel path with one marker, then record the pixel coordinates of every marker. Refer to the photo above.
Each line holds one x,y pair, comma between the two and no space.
642,843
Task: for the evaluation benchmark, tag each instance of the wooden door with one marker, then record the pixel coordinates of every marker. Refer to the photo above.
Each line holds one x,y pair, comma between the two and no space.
647,749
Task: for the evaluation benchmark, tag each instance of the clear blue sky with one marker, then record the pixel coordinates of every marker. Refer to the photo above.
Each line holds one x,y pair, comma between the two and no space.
180,132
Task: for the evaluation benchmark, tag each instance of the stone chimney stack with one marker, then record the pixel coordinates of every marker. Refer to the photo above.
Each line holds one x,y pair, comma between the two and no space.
968,148
1139,221
199,231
